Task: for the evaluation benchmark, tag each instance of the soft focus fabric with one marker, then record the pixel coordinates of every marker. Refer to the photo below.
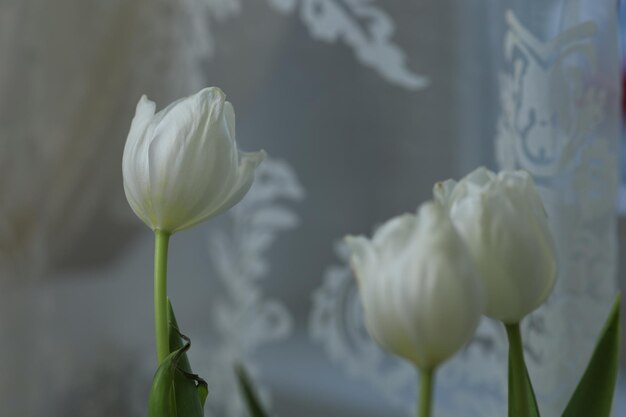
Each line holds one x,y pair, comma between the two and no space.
362,106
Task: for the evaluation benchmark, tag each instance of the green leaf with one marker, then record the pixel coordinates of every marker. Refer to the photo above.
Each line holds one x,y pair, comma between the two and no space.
176,391
252,401
162,402
594,394
190,390
203,392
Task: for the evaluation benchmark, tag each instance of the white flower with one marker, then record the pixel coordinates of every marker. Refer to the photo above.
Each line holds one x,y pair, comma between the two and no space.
181,166
503,221
420,292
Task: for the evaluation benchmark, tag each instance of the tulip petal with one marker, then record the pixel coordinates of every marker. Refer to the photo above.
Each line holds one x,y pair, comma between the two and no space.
135,162
144,113
442,191
503,222
237,189
416,278
181,166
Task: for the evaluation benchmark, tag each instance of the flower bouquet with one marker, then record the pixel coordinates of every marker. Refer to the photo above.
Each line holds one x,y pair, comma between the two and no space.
482,246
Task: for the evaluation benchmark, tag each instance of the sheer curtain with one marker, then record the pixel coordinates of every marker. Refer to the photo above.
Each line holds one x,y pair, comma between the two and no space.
561,121
362,105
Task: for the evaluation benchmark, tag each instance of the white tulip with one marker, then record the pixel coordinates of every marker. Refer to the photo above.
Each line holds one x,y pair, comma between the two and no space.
420,292
181,166
504,223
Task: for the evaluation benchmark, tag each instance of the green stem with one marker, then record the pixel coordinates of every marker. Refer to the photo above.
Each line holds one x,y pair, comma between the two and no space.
160,294
427,378
519,396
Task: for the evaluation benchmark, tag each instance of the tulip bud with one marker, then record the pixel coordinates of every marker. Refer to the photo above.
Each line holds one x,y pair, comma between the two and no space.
503,221
181,166
420,292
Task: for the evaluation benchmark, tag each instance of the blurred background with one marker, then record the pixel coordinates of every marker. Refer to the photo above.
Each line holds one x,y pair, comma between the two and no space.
361,105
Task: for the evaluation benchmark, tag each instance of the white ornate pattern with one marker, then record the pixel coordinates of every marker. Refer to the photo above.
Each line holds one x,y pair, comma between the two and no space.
553,125
243,318
362,26
548,109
